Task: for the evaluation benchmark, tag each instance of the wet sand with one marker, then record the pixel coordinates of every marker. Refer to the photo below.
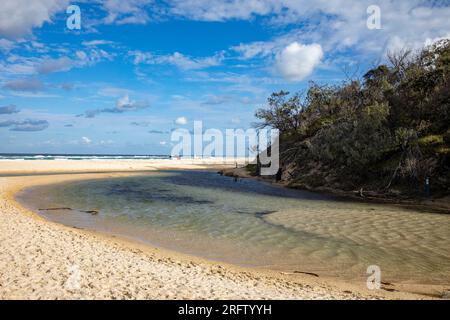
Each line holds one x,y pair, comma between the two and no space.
44,260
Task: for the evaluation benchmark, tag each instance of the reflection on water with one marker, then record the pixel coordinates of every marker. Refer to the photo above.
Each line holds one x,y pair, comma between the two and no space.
256,224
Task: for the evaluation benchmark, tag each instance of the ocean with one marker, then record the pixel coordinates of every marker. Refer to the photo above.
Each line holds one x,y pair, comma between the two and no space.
48,156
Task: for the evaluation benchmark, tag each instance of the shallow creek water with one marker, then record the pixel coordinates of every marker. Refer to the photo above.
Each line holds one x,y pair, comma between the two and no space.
251,223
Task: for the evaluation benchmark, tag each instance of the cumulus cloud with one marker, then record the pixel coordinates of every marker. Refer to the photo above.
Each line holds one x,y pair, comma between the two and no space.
293,61
338,25
219,10
123,104
6,45
254,49
91,57
126,12
19,17
177,59
55,65
297,61
187,63
9,109
15,64
25,125
28,85
181,120
431,41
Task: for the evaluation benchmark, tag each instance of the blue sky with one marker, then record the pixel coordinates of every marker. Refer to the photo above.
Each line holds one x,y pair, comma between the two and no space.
138,69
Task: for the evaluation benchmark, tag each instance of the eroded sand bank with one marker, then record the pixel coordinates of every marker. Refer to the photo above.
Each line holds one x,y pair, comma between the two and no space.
44,260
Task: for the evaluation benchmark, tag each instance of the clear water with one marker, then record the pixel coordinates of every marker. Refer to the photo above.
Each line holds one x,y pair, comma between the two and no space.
250,223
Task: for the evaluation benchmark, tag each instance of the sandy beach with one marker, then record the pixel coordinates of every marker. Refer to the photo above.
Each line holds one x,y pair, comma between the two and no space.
44,260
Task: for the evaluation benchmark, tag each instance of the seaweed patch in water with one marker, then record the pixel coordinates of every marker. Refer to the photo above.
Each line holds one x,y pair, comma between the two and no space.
258,214
152,195
263,213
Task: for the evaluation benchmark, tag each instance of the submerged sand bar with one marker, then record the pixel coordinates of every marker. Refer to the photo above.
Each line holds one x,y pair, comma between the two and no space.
44,260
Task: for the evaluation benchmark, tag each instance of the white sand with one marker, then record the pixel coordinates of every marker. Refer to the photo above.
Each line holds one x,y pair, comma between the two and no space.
44,260
44,166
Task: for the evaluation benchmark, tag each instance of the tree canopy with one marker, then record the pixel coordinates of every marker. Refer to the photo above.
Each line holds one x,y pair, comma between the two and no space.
389,130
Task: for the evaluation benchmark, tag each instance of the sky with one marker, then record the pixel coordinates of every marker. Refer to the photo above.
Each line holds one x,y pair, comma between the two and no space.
137,69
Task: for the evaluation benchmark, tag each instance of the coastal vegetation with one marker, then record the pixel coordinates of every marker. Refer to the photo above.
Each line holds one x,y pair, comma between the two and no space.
386,133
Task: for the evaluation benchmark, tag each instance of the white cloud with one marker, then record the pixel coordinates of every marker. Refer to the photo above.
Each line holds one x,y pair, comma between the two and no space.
337,25
27,85
123,104
27,125
181,121
212,99
95,43
126,104
91,57
17,65
126,12
297,61
55,65
6,45
19,17
187,63
219,10
254,49
9,109
430,41
177,59
86,140
38,95
141,123
106,142
81,55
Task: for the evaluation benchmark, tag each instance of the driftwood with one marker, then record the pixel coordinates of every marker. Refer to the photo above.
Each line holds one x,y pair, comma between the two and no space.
93,212
389,289
302,272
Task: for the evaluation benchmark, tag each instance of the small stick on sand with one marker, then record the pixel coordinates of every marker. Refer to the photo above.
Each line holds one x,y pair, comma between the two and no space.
296,272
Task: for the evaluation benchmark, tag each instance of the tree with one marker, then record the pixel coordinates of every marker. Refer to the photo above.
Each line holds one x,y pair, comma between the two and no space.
283,112
391,129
